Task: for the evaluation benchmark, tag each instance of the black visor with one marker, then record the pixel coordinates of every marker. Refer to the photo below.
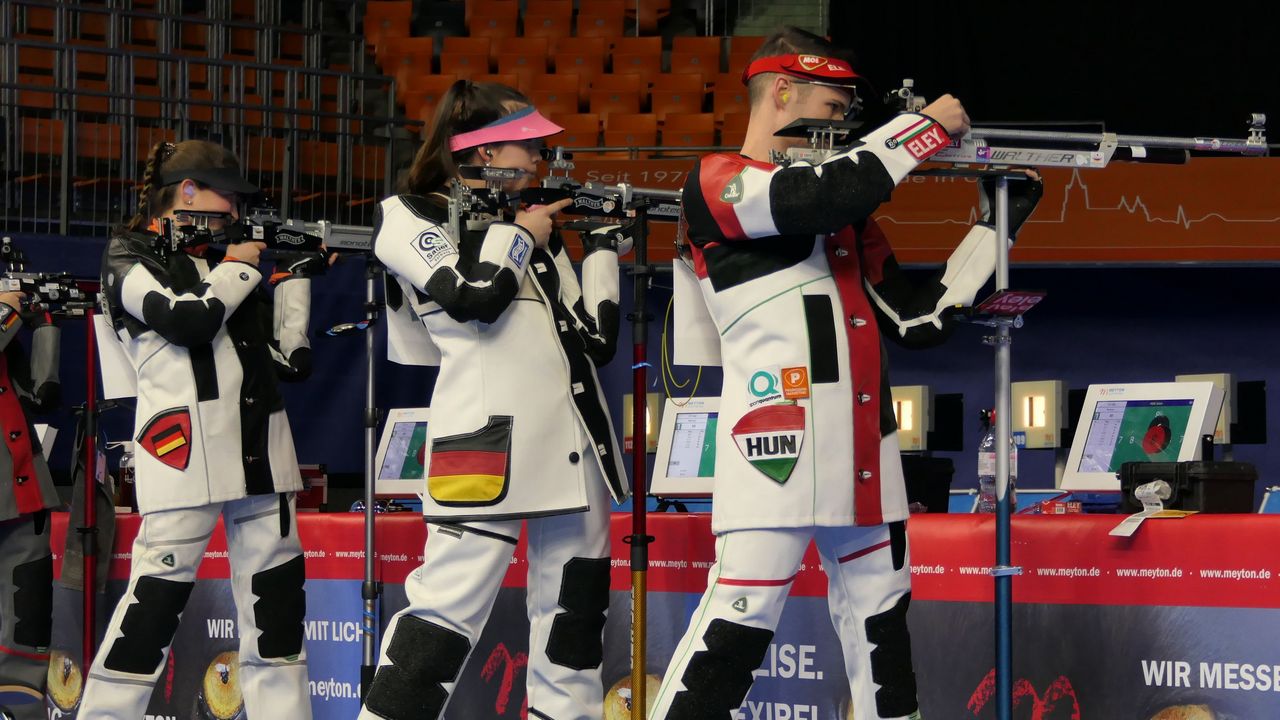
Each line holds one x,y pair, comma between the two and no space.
225,179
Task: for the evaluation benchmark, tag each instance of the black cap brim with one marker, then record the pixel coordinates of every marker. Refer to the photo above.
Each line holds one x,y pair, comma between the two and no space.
225,179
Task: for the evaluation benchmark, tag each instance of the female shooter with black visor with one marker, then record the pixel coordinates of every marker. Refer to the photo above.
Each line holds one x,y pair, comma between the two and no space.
207,346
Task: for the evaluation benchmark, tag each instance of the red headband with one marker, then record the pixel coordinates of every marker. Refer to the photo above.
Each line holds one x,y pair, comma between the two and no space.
813,68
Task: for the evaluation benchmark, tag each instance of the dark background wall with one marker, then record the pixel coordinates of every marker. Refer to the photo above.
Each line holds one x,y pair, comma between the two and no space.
1142,67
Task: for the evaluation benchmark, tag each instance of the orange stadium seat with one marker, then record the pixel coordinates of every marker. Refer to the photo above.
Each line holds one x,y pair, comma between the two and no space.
580,130
555,94
649,13
496,28
615,94
464,65
552,26
492,8
584,58
729,95
623,130
524,57
601,18
689,130
42,136
733,131
386,19
99,141
677,93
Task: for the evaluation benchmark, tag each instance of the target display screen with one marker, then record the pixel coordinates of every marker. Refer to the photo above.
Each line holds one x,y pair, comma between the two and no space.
1135,431
406,452
693,445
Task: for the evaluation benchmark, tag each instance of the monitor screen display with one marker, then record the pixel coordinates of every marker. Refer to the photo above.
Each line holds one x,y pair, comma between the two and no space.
693,445
1134,431
406,451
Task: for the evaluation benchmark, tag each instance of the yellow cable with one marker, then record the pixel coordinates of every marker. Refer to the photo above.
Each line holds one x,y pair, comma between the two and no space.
667,370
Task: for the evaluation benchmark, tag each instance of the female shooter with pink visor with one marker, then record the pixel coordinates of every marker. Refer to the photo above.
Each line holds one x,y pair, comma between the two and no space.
520,432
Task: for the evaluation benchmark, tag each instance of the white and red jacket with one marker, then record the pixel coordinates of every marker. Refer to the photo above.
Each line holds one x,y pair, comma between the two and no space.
27,384
799,281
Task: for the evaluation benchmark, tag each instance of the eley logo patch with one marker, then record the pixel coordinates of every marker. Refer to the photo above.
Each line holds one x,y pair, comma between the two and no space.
433,247
733,192
921,140
770,439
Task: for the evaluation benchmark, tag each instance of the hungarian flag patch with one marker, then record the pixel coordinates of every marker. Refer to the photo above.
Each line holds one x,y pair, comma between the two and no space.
471,469
770,438
168,438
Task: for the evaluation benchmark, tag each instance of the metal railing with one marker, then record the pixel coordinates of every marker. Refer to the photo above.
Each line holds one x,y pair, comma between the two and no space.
73,151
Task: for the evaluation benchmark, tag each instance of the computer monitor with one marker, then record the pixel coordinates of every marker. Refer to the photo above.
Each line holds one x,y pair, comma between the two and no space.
685,465
402,453
1142,422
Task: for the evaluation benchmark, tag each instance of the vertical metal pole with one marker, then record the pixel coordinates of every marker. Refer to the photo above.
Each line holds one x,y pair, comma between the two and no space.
1003,581
371,588
89,530
67,73
639,539
9,108
291,141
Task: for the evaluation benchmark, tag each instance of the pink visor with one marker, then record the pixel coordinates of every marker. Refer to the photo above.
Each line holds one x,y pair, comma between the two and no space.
523,124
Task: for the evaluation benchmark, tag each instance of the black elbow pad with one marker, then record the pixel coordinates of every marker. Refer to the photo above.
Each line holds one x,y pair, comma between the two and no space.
186,322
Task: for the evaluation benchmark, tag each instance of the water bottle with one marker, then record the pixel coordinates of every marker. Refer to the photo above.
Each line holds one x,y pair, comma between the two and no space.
987,500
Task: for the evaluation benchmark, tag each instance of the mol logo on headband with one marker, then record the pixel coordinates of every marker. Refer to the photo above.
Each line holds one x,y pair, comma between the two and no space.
814,68
770,439
812,62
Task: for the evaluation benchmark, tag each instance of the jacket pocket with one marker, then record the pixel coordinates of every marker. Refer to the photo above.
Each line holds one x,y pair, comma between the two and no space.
472,469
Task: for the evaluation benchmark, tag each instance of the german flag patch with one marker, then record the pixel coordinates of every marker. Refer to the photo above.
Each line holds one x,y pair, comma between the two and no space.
472,469
8,317
168,437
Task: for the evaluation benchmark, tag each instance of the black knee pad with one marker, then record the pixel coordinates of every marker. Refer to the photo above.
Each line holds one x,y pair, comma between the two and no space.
280,609
424,656
33,603
577,634
148,626
891,660
717,679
